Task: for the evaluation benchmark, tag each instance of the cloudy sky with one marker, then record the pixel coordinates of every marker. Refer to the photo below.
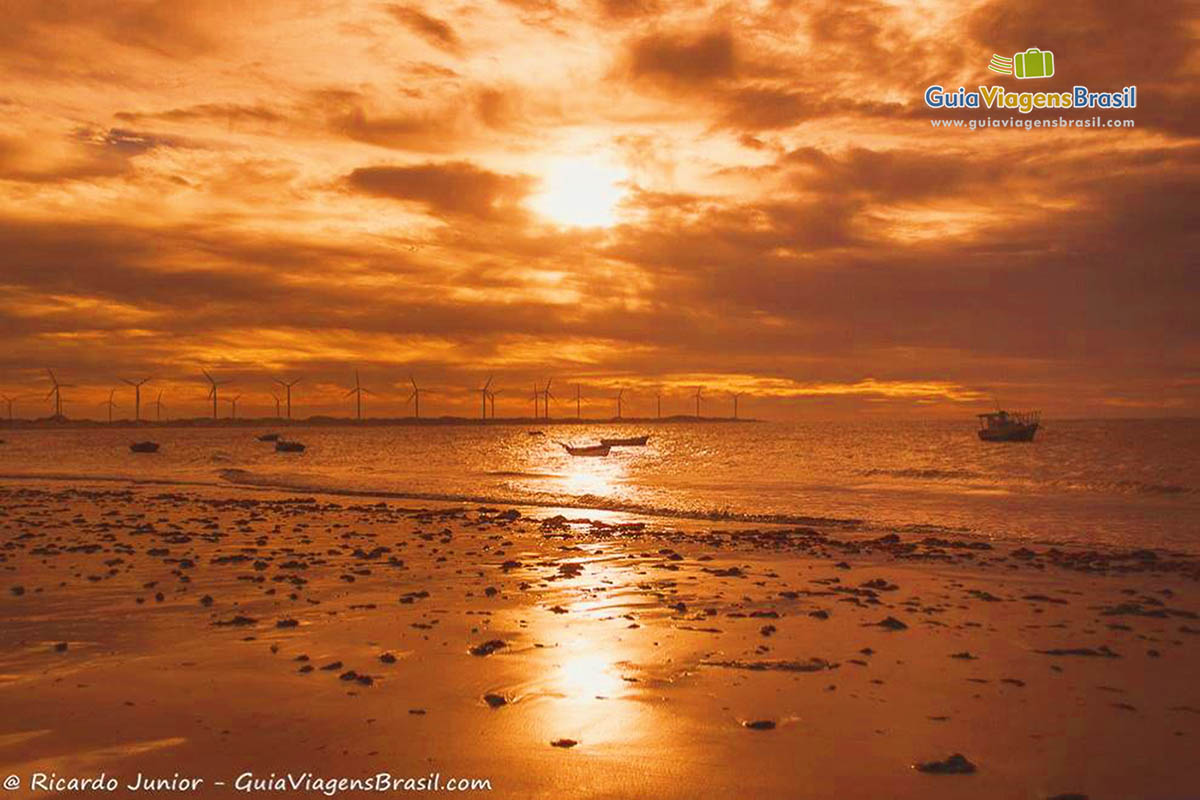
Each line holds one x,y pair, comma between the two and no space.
617,193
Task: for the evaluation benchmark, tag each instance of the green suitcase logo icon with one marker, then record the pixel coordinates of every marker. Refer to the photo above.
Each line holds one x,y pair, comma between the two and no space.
1033,63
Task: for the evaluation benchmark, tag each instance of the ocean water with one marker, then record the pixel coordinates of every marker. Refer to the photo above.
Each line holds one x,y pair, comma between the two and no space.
1129,483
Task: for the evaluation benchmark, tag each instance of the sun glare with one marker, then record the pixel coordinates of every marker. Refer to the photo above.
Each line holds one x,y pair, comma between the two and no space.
581,193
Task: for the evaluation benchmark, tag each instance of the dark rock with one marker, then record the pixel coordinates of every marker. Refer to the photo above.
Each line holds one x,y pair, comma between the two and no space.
956,764
1101,652
564,743
488,647
892,624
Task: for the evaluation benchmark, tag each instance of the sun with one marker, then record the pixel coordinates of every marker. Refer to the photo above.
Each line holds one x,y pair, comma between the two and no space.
580,192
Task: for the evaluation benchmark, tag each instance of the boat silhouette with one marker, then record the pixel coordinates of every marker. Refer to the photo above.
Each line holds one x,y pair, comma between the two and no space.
1001,426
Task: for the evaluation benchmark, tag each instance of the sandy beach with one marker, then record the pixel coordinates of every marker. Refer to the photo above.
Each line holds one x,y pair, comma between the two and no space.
233,636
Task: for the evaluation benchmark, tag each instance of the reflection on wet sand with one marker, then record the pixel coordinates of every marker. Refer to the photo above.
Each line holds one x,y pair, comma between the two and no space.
563,656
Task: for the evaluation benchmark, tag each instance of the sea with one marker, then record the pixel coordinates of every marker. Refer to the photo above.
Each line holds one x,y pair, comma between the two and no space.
1109,483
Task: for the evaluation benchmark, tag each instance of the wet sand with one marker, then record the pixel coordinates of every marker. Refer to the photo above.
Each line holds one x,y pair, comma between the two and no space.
215,632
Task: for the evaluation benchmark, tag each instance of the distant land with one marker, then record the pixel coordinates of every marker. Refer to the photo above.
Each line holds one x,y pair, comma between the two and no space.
350,422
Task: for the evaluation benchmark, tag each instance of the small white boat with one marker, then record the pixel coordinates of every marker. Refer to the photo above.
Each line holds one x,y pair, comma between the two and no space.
594,450
632,441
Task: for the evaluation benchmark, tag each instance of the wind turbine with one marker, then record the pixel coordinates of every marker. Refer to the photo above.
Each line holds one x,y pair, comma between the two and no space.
358,392
492,401
546,395
577,412
158,406
276,398
658,396
415,397
212,392
620,393
233,406
736,395
699,389
137,397
483,395
535,395
288,386
56,393
9,402
111,405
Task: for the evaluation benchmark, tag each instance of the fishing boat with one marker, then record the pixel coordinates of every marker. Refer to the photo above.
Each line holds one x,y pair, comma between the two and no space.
632,441
587,450
1002,426
269,437
144,447
282,446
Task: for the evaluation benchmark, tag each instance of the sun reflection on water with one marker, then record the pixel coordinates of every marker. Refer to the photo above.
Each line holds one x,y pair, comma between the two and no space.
587,479
589,675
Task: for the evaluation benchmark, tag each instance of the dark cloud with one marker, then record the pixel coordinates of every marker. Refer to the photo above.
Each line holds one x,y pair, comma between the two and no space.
207,112
437,32
628,9
89,154
899,175
1095,41
38,29
684,59
449,188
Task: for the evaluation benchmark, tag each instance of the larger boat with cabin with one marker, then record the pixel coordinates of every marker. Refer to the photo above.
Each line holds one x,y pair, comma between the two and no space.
1002,426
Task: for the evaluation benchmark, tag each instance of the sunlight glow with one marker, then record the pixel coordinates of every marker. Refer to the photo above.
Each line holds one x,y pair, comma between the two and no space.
581,193
590,675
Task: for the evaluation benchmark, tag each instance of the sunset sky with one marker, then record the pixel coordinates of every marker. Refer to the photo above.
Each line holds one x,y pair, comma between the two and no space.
617,193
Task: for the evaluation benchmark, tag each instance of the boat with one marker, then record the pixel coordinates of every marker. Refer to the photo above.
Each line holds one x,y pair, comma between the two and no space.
587,450
144,447
632,441
282,446
536,433
1002,426
269,437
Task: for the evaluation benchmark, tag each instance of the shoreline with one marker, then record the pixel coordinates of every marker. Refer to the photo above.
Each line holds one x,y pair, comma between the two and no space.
662,519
